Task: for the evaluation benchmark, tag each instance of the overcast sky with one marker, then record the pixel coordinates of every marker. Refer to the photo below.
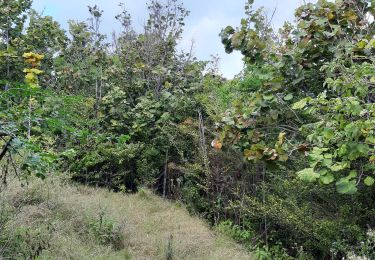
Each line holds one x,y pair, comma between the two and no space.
205,22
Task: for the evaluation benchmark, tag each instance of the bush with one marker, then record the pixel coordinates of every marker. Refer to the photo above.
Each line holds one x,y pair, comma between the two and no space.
24,242
229,228
106,231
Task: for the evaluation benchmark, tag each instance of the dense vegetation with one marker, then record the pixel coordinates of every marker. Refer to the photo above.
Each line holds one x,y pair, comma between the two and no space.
282,157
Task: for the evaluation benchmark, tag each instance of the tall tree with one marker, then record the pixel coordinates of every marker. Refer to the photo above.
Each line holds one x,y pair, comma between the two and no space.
44,35
12,20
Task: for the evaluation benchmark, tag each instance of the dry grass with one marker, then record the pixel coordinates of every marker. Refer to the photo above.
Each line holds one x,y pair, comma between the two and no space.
144,226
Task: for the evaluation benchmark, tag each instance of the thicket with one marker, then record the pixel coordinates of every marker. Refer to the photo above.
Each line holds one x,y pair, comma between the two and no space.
281,157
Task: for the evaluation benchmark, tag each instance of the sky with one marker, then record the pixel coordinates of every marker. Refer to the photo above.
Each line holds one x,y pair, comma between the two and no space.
207,18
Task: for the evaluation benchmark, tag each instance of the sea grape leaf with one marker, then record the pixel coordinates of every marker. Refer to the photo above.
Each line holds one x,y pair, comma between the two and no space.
369,181
327,178
345,186
308,175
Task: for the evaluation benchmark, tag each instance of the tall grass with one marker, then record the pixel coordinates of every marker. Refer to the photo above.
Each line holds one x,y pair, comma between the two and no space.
55,219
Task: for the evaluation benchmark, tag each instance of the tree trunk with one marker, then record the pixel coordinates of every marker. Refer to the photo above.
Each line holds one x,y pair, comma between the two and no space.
165,176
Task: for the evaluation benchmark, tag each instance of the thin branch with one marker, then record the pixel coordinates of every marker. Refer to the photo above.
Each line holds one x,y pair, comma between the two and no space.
5,148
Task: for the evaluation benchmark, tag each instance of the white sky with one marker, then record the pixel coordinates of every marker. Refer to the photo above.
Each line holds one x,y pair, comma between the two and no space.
204,24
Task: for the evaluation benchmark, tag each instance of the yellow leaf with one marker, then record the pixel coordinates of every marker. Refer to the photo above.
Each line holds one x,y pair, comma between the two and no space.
330,16
351,16
33,58
282,138
283,158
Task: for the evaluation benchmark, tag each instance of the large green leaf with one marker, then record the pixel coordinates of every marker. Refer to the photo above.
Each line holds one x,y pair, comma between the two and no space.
339,166
308,175
369,181
370,139
328,134
327,178
288,97
344,186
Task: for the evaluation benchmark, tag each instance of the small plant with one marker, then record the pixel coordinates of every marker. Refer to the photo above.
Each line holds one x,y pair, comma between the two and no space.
142,193
106,231
236,232
24,242
262,253
274,252
366,248
6,213
169,252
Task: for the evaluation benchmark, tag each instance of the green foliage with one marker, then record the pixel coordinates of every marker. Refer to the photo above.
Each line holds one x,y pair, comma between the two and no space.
106,231
292,169
304,106
344,86
366,248
229,228
24,242
274,252
12,20
44,35
20,126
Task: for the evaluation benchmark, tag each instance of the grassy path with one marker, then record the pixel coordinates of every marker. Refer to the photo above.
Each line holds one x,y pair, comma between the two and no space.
68,222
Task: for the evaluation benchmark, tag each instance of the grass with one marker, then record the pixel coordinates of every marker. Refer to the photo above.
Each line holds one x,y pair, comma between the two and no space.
54,219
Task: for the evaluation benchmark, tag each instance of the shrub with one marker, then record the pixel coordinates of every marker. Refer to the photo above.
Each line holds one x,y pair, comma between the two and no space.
106,231
24,242
229,228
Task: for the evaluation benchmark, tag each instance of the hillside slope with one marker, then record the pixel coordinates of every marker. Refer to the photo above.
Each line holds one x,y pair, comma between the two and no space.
55,220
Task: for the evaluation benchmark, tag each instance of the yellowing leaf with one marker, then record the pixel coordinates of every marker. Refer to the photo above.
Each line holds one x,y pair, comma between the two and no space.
281,138
300,104
33,71
362,44
283,158
34,86
330,16
33,58
351,16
